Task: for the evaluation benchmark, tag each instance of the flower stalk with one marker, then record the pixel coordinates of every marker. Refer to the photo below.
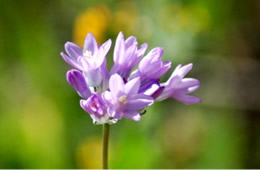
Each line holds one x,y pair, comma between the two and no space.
105,145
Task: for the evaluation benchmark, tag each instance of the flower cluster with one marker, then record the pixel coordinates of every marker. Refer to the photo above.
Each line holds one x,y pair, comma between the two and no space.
111,95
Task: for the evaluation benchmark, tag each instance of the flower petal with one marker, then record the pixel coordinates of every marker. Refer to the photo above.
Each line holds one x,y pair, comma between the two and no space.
142,50
73,50
133,115
138,102
192,89
77,81
132,86
70,61
107,96
104,48
90,44
116,84
186,83
182,70
130,41
186,99
119,47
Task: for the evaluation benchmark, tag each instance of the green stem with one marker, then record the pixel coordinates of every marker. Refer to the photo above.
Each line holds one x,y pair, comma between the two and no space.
105,145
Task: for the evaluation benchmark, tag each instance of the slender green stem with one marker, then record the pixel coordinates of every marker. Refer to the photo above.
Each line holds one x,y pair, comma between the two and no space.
105,145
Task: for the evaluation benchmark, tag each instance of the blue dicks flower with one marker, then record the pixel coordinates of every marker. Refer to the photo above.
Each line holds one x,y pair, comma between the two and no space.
90,59
126,55
178,87
123,100
78,82
96,107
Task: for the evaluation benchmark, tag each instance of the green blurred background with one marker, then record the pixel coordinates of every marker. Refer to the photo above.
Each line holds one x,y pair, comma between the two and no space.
43,126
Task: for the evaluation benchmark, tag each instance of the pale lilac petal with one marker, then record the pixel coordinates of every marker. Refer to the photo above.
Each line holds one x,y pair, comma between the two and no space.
70,61
192,89
133,116
147,60
119,47
160,70
94,105
116,84
168,88
186,83
107,96
130,60
77,81
130,41
132,86
142,50
182,70
187,99
104,48
90,44
73,50
138,102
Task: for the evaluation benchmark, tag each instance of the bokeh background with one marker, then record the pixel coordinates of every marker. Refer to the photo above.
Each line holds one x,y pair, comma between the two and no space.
43,126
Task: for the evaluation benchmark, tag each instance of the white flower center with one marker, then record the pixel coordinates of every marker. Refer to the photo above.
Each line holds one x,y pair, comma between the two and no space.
122,99
87,53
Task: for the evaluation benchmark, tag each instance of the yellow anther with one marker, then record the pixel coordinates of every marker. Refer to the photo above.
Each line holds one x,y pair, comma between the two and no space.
123,99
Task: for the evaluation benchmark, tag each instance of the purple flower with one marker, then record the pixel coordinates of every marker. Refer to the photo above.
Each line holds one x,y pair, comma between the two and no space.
178,87
78,82
123,100
110,96
152,66
96,107
126,55
90,59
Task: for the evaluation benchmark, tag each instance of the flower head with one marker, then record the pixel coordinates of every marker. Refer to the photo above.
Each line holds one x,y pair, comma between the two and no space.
124,100
152,66
126,54
111,96
178,87
89,59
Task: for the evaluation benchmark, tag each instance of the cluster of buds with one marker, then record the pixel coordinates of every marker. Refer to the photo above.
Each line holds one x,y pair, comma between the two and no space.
121,92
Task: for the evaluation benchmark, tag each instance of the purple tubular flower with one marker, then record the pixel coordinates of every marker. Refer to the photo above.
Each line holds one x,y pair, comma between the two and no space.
96,107
77,81
89,59
123,100
126,55
178,87
152,66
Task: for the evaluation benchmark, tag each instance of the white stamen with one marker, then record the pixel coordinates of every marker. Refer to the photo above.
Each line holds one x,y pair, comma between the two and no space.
87,53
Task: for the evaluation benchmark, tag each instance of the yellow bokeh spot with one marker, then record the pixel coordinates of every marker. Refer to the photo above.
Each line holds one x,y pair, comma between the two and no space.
94,20
89,153
125,17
